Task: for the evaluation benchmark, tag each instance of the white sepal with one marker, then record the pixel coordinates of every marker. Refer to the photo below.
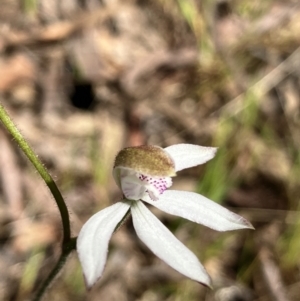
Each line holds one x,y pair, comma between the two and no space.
189,155
93,239
165,245
199,209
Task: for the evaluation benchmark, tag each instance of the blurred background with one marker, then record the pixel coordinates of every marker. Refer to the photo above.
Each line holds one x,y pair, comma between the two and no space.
84,78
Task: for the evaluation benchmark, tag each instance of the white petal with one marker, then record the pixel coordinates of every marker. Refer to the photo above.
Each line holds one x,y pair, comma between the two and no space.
189,155
199,209
165,245
93,239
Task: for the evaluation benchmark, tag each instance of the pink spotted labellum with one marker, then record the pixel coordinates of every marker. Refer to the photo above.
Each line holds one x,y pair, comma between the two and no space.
144,173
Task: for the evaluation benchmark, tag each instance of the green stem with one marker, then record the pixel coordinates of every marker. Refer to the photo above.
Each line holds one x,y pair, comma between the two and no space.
68,247
68,243
10,126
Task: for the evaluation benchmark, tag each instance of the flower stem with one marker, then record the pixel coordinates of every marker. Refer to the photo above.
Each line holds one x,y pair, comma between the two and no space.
10,126
68,243
68,247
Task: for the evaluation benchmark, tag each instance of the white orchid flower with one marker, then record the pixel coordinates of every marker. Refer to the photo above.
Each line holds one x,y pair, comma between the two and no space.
144,173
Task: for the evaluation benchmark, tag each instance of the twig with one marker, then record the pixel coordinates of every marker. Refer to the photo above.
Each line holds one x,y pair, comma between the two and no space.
272,275
263,86
51,33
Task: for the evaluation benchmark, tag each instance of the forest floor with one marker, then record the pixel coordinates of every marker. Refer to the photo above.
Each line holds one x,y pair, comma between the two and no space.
83,79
